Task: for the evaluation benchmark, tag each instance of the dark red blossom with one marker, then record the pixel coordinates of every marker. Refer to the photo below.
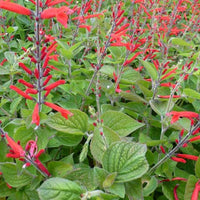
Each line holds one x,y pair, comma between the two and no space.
14,7
64,112
16,150
16,89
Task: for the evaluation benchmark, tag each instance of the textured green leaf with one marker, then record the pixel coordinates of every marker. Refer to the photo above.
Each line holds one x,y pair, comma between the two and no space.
117,189
68,139
132,97
59,168
152,184
76,124
120,122
5,191
134,189
130,76
180,42
59,189
99,143
13,176
127,159
150,69
191,93
189,188
197,168
109,180
160,107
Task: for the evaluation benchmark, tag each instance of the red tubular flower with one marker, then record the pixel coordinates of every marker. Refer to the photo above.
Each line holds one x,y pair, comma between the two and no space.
3,61
175,192
162,149
190,157
16,150
47,80
35,115
63,111
31,91
196,191
178,159
20,92
25,68
55,2
133,58
168,96
46,72
194,138
55,84
14,7
25,83
174,179
86,27
187,114
118,90
42,167
61,14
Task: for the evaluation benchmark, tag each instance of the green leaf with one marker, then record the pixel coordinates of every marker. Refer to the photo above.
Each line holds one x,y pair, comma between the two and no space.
189,188
134,189
68,139
120,122
14,176
197,168
5,191
117,52
59,168
100,175
160,107
151,186
191,93
99,143
59,188
109,180
150,69
14,104
127,159
132,97
75,125
10,56
117,189
83,174
180,42
84,151
130,76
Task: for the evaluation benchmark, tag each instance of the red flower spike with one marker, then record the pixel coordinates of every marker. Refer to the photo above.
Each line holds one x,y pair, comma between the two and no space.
35,115
14,7
187,114
20,92
196,191
175,192
26,83
64,112
16,150
55,84
186,156
178,159
25,68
